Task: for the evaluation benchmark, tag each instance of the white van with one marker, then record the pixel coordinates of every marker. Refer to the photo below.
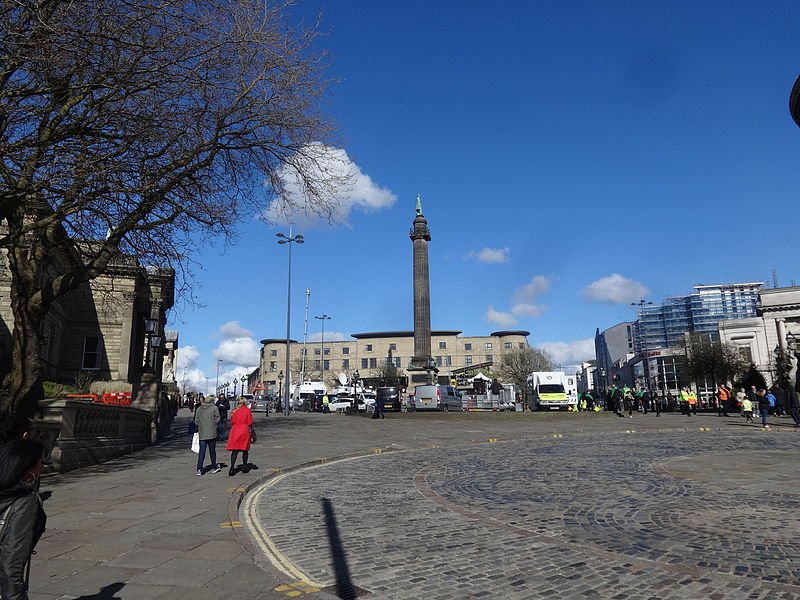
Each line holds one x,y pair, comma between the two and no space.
436,397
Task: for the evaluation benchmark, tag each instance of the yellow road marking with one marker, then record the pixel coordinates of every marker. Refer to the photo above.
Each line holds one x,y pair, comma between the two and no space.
376,450
558,435
231,490
230,524
492,440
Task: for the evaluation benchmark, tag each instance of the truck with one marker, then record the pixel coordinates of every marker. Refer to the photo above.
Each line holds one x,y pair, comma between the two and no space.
307,396
552,390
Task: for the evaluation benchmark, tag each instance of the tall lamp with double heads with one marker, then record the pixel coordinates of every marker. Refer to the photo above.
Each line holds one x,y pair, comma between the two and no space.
284,239
153,343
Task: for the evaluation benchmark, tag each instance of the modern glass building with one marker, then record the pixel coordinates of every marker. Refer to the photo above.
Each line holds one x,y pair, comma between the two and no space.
664,326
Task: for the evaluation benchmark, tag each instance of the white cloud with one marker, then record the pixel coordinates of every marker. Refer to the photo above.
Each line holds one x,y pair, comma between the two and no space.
538,286
528,310
186,357
238,351
489,255
232,329
615,289
570,354
339,182
499,318
330,336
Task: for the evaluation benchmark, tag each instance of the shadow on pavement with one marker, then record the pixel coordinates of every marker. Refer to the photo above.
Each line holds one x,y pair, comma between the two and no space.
107,592
343,588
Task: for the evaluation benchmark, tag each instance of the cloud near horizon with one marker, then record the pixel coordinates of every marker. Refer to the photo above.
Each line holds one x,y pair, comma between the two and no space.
488,255
330,336
570,354
615,289
501,319
344,185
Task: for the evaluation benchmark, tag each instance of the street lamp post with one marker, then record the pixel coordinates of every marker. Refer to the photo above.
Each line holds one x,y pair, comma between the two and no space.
322,318
235,384
219,362
280,388
288,240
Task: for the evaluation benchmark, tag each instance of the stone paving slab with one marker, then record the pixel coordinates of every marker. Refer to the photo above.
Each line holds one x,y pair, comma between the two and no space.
152,502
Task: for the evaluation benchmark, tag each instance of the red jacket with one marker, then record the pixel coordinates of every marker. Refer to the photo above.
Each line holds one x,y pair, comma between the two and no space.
239,437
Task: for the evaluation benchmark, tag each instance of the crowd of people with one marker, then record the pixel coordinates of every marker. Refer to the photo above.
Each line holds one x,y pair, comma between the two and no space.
745,403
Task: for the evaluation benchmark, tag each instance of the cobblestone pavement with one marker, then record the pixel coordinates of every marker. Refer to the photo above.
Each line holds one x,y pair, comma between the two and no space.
705,514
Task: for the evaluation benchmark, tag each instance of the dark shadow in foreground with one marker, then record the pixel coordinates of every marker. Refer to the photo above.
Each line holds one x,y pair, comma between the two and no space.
107,592
343,588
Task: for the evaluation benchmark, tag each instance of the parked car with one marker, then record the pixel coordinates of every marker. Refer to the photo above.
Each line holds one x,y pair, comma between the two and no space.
390,398
263,403
436,397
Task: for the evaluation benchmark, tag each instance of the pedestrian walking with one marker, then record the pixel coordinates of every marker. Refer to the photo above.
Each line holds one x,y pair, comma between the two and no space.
771,399
22,517
615,400
747,409
656,402
239,439
628,399
740,396
692,401
207,417
780,400
378,414
223,405
763,407
794,405
723,397
683,398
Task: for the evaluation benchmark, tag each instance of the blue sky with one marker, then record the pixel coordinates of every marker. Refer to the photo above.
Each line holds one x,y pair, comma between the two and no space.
572,157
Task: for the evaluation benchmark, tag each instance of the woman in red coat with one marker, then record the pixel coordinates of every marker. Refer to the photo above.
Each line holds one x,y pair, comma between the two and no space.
239,437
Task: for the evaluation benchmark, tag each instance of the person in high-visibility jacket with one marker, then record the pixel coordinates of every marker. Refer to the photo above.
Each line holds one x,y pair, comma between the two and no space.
692,401
683,398
723,397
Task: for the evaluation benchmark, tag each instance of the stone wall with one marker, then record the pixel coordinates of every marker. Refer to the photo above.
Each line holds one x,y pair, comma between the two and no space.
78,433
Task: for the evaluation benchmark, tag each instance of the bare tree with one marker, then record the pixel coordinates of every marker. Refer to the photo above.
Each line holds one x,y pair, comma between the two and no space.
710,361
517,364
142,129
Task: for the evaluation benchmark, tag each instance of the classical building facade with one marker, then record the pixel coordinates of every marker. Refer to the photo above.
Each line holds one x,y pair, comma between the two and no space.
763,339
97,331
366,351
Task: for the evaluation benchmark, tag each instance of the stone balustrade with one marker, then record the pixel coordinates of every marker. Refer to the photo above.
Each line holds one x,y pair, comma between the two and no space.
77,433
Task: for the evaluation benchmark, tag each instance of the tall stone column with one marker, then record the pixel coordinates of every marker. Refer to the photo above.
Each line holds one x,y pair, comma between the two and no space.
420,236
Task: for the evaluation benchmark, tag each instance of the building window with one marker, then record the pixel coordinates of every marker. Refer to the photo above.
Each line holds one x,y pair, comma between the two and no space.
397,362
507,345
364,363
489,358
345,363
316,364
346,350
273,365
327,351
442,345
468,360
467,347
316,351
369,348
448,361
373,363
438,361
392,346
521,345
91,352
273,353
326,365
487,346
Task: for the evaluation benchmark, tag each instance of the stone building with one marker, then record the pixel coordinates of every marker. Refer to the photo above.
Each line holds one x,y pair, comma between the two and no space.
366,351
763,339
96,333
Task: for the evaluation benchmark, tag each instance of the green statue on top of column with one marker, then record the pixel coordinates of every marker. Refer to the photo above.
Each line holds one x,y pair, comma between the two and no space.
419,205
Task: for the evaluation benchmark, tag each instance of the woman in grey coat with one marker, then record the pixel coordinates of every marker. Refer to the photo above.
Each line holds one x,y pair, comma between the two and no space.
207,416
